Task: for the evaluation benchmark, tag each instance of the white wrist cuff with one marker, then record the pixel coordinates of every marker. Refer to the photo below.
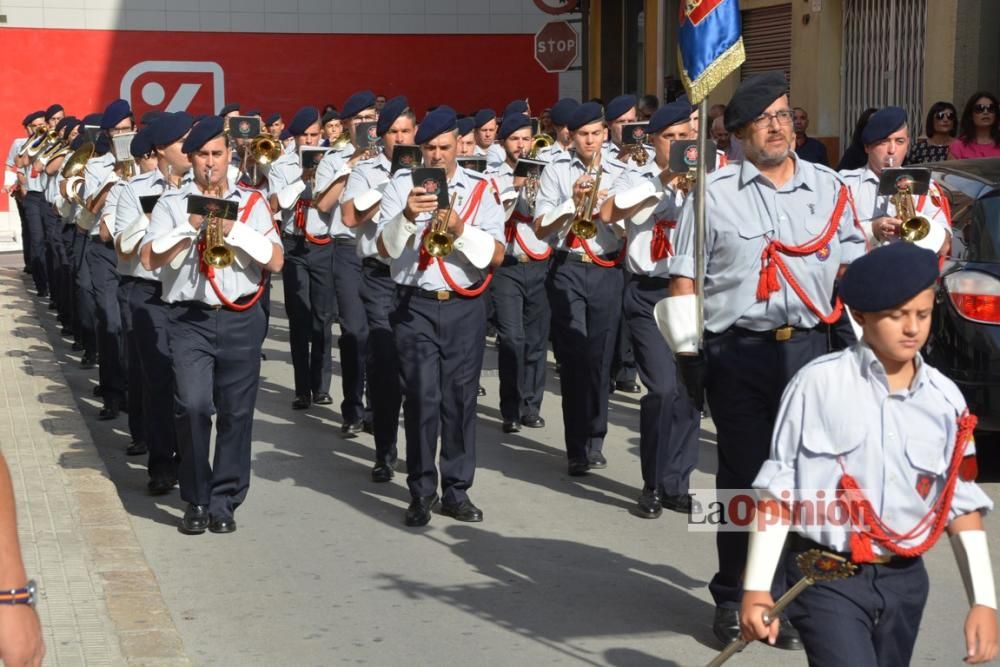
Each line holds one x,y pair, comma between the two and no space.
477,246
86,220
561,213
251,242
764,552
130,237
172,238
972,554
366,200
935,237
644,196
290,193
233,173
65,207
677,319
396,234
9,178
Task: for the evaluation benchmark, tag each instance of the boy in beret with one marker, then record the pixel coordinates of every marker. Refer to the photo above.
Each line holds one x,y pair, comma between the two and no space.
900,461
777,232
486,126
217,326
466,136
560,114
886,138
32,205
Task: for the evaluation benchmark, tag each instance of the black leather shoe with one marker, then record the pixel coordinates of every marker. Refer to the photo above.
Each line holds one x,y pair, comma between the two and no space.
136,449
628,386
301,402
77,346
419,511
481,391
53,305
383,472
159,486
648,504
463,511
108,412
66,331
368,426
87,362
195,519
98,391
322,399
597,460
788,637
578,468
511,427
222,524
682,503
726,626
43,294
533,421
351,429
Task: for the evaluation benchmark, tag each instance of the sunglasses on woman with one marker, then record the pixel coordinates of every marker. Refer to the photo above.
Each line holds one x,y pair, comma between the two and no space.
945,115
985,108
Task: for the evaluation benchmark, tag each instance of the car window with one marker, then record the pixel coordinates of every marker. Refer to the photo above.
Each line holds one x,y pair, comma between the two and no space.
982,233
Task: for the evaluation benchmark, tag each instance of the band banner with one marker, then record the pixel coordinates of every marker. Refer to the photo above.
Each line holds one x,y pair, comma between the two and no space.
710,44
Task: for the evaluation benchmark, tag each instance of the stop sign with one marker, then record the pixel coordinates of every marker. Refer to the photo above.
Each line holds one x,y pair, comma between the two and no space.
556,46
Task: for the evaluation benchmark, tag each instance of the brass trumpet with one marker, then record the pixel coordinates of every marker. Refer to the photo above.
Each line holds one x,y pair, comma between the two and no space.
439,242
264,149
914,227
33,140
583,225
217,253
539,142
77,161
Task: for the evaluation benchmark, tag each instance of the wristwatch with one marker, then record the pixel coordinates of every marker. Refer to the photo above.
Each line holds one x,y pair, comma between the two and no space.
24,595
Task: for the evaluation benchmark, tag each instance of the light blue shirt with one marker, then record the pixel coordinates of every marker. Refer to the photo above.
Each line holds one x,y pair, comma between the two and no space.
639,259
96,174
744,212
365,176
489,218
838,411
503,176
129,210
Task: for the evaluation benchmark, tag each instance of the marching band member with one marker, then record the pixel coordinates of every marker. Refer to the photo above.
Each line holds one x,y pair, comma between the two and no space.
216,325
648,199
560,114
584,286
466,136
359,208
518,291
33,204
148,314
439,319
307,275
778,230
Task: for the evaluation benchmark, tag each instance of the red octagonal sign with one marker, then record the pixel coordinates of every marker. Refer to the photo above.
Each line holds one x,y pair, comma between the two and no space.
556,46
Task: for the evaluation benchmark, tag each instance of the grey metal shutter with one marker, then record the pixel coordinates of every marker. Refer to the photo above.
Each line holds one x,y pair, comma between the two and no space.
767,40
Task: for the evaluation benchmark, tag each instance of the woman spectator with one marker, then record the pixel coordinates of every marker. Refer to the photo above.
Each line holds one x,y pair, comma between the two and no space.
979,129
941,127
855,157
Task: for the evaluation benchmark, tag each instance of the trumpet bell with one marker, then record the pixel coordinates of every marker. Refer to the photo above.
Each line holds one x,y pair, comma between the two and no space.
539,142
219,256
265,149
915,229
76,162
438,244
584,229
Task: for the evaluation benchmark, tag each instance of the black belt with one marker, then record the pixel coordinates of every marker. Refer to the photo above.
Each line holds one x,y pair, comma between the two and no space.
779,335
199,305
797,543
650,282
341,240
436,295
375,265
301,237
582,258
110,245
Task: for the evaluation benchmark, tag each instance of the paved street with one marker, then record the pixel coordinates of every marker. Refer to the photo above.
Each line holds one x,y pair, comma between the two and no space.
322,570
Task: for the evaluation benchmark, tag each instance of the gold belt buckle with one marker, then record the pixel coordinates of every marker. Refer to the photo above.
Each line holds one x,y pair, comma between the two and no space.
781,334
882,560
443,295
523,259
585,258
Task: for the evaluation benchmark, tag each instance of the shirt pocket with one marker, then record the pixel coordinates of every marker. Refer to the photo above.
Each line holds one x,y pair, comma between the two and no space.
815,225
927,456
824,443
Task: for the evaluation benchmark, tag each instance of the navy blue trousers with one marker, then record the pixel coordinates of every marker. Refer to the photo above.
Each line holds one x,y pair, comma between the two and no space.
586,302
35,206
130,356
85,322
307,278
216,361
668,421
353,340
382,362
522,320
102,262
440,346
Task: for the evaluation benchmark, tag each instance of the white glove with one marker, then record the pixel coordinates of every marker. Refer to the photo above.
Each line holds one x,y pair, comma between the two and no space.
366,200
564,210
477,246
172,238
132,235
396,234
973,557
644,196
677,319
251,242
290,193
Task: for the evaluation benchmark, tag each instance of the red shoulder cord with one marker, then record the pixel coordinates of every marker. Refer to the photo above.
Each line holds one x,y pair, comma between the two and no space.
868,526
771,262
301,211
209,271
510,231
573,241
660,247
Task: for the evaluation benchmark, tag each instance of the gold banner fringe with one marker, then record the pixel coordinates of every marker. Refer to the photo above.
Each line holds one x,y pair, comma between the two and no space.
723,66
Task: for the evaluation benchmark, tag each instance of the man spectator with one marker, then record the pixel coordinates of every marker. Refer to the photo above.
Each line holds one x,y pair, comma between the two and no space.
648,104
806,147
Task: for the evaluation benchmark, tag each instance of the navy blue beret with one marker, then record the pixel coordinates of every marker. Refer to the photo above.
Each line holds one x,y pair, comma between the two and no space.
52,111
32,117
332,114
515,107
141,144
115,113
883,123
151,117
753,95
888,276
466,125
562,111
170,127
69,124
302,119
285,135
437,122
229,108
512,123
585,114
484,116
391,110
77,142
103,145
61,125
619,106
253,112
202,132
272,119
667,115
92,119
357,103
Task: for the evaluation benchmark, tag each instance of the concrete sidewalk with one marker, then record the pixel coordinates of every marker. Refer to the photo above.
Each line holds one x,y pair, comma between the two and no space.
100,603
